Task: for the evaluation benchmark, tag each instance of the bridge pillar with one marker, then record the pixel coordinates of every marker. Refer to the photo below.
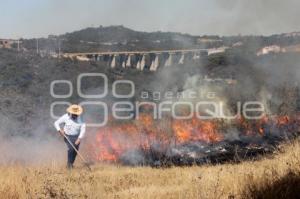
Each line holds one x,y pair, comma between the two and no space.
143,62
152,65
169,60
138,61
122,60
196,56
128,62
181,60
155,63
113,62
98,58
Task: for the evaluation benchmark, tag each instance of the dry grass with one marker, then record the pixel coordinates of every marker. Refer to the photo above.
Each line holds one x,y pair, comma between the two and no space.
276,177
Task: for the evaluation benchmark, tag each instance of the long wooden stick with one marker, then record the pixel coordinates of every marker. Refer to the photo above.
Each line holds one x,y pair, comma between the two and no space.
82,158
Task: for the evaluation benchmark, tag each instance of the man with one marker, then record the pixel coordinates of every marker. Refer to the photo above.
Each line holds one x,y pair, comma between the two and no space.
73,129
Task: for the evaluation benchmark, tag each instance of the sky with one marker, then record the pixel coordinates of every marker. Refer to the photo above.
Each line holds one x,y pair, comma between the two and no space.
40,18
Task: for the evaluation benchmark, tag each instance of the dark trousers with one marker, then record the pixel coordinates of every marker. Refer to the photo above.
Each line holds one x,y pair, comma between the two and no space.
71,152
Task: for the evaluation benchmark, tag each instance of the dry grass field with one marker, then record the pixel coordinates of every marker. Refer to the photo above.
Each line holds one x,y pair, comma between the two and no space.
277,176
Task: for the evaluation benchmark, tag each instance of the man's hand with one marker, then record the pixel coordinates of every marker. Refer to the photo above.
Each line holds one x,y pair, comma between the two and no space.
77,142
62,133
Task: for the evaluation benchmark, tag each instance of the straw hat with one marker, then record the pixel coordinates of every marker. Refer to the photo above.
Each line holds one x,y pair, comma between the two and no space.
75,109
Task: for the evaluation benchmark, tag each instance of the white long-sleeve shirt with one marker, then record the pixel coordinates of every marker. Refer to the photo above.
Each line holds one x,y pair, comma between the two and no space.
71,127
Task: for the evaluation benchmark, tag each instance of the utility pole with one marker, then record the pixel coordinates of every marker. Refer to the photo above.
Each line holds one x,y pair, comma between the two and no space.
37,46
18,45
59,48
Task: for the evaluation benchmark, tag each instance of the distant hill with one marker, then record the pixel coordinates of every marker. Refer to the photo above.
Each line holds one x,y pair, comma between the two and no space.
113,38
120,38
122,34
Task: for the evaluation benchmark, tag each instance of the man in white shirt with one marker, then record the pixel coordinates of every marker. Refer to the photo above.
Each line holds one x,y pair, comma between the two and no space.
73,128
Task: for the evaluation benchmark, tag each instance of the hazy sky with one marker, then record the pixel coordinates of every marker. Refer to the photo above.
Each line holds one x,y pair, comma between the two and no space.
35,18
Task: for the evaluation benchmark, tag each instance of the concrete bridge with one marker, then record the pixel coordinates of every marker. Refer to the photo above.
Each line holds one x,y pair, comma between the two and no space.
141,60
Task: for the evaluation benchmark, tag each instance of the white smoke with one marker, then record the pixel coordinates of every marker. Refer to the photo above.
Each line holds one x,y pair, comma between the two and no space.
38,147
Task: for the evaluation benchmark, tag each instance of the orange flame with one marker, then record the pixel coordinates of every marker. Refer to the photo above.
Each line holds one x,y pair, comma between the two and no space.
117,138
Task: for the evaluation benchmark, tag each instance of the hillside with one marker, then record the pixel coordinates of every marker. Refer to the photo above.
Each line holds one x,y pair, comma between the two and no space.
112,38
120,38
25,78
25,83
